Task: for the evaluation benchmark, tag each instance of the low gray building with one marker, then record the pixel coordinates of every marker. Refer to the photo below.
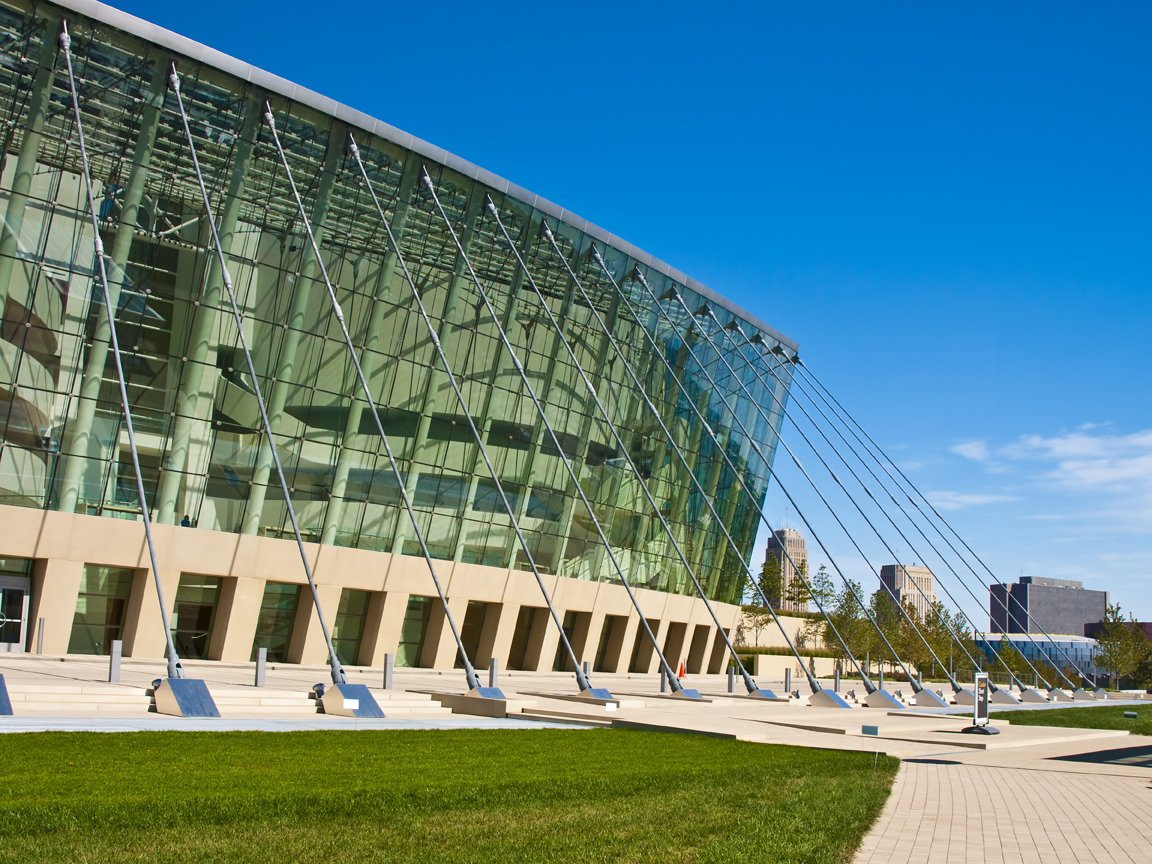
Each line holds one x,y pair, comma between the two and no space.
1035,604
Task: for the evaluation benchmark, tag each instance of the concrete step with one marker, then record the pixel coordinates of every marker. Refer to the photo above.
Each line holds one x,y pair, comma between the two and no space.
87,698
35,709
76,689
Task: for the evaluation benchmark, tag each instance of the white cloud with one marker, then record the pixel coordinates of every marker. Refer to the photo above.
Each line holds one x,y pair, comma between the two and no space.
974,450
1107,462
948,500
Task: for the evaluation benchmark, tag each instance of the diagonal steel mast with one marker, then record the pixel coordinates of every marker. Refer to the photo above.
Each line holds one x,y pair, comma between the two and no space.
469,670
338,674
865,679
749,683
175,669
673,680
916,686
581,678
768,465
852,499
762,354
849,423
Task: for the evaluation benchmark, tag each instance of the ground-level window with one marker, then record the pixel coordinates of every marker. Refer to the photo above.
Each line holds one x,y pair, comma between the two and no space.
471,630
195,613
100,609
348,630
520,636
413,631
277,615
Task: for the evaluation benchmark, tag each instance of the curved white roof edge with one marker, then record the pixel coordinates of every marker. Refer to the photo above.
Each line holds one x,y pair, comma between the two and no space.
274,83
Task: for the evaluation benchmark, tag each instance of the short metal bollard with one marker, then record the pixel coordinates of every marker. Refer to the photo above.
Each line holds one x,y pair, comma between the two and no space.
114,661
663,680
261,662
40,636
788,679
587,668
493,671
881,675
836,684
731,679
389,667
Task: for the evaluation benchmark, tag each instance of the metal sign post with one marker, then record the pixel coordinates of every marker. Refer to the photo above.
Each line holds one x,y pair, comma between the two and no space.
980,724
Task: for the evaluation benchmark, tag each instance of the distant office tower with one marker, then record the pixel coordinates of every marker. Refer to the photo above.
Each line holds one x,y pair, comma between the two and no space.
792,542
899,579
1056,606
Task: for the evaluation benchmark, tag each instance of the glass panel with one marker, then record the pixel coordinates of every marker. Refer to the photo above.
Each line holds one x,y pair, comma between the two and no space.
277,615
64,445
100,609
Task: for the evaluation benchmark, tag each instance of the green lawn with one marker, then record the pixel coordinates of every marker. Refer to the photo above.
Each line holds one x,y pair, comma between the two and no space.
1104,717
489,796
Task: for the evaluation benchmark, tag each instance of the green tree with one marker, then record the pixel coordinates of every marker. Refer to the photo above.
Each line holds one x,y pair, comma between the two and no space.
797,592
771,581
1117,650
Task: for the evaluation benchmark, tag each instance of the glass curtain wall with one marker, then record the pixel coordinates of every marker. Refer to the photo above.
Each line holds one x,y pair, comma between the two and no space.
202,447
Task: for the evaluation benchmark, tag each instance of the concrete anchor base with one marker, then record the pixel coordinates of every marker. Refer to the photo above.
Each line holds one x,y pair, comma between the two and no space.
965,697
347,700
883,699
1058,695
183,697
1083,695
1033,696
1003,697
827,699
929,699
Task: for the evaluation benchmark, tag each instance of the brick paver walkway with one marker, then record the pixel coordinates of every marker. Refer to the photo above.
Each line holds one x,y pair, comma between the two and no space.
986,814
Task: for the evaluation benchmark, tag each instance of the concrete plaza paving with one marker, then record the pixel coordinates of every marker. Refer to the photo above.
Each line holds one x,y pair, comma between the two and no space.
1029,794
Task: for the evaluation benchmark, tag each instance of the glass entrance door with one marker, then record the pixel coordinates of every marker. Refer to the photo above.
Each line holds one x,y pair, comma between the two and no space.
15,588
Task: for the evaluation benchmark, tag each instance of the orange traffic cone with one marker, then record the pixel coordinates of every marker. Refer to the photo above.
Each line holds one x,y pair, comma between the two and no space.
681,673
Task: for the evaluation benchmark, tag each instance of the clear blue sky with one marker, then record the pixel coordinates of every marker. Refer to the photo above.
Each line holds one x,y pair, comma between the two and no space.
947,207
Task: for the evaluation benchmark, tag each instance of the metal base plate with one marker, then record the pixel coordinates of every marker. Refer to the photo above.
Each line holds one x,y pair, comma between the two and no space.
980,730
184,697
686,694
761,694
597,693
827,699
5,702
349,700
883,699
929,699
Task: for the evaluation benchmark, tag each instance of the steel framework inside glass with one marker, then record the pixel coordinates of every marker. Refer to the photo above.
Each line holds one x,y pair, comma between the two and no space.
202,447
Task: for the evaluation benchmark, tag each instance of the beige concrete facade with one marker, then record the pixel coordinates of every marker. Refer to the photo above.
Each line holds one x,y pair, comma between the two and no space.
61,544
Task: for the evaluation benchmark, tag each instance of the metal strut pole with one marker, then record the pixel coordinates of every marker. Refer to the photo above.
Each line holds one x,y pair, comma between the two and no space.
749,683
855,503
866,681
916,686
768,465
469,670
851,421
643,621
736,474
338,676
765,355
175,669
582,679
